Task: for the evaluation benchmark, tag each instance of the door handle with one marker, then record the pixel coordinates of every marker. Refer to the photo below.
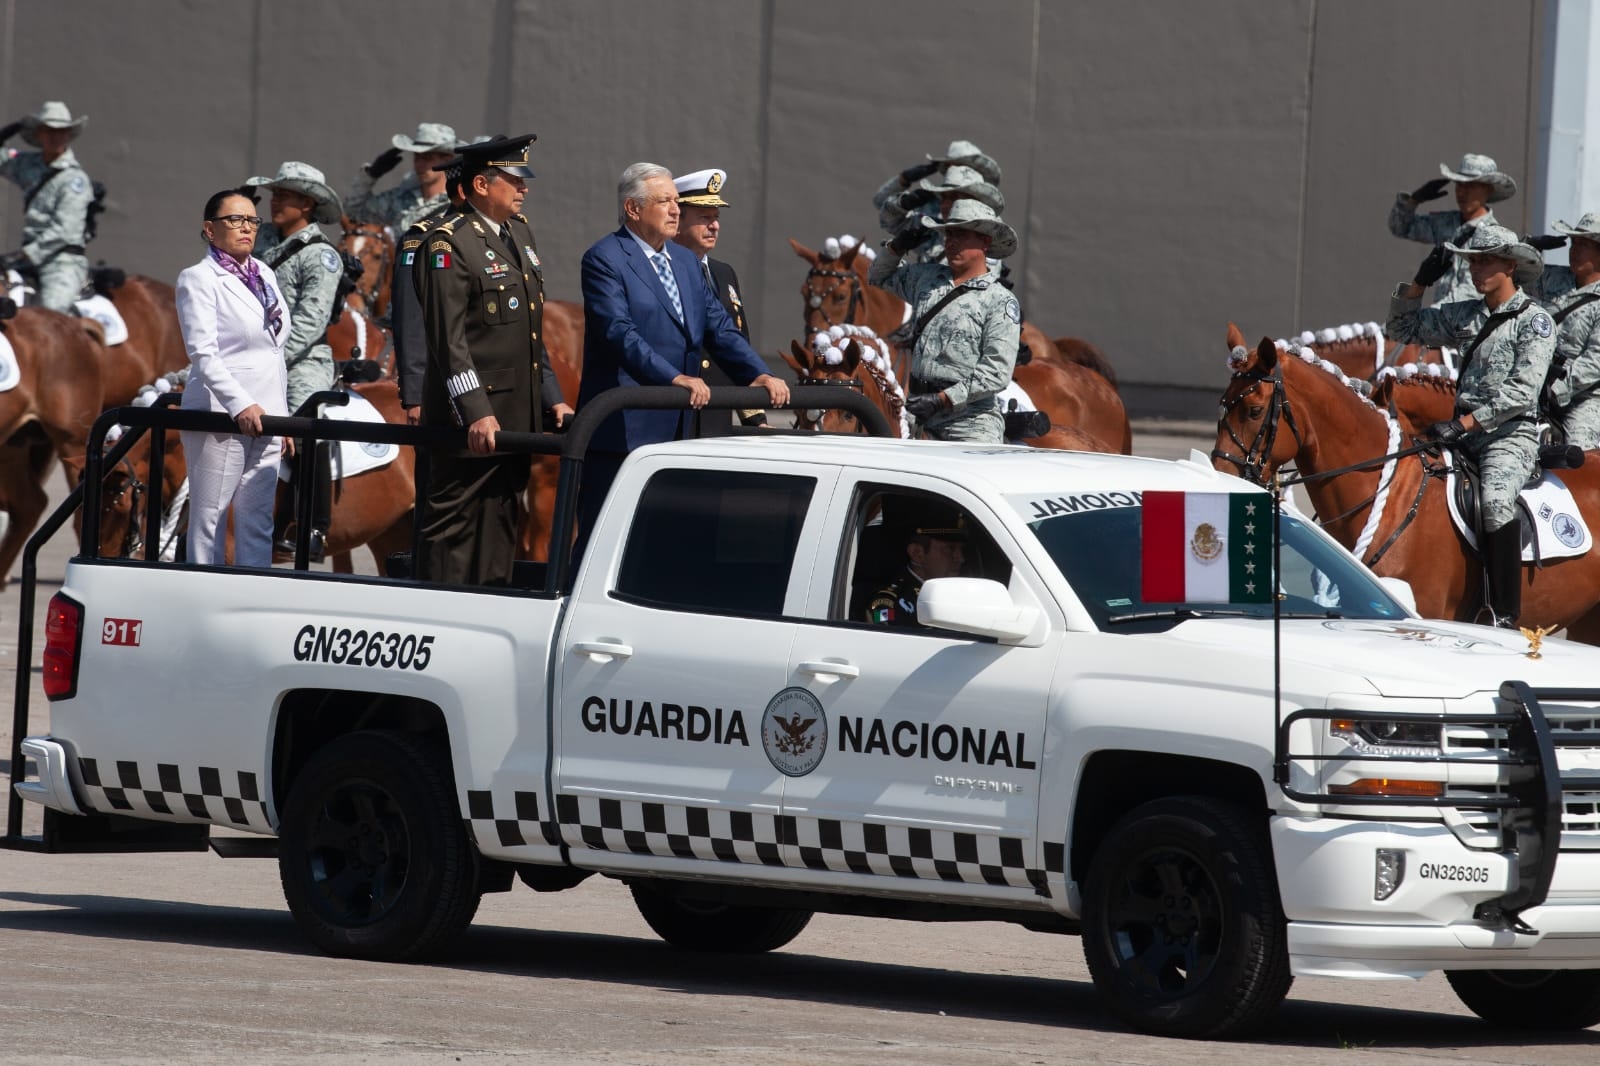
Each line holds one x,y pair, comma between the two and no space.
603,651
825,668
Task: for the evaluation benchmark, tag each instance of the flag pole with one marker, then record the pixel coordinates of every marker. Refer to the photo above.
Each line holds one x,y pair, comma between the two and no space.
1279,769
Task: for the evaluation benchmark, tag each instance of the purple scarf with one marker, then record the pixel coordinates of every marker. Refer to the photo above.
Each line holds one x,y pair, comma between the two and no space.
250,275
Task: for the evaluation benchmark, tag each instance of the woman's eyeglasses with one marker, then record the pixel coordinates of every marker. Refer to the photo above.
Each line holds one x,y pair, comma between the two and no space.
239,221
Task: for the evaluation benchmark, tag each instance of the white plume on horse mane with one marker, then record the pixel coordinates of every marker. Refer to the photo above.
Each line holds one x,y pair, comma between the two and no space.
1280,344
1346,333
1238,355
847,241
830,248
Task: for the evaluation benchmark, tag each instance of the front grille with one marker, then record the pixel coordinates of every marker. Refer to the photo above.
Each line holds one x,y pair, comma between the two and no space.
1578,727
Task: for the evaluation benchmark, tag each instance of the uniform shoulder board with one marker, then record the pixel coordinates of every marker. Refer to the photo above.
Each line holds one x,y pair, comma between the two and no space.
521,218
424,225
449,224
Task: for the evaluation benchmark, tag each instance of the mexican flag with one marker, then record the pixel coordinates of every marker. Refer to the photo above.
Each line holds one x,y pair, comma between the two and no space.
1206,547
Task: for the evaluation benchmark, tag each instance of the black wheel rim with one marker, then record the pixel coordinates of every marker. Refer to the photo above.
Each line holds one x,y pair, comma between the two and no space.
358,854
1164,924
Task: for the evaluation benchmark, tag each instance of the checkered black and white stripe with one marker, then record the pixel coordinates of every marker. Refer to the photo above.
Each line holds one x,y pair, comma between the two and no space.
173,793
510,824
675,831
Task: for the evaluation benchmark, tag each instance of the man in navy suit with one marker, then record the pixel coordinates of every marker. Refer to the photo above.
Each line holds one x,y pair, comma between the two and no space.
647,313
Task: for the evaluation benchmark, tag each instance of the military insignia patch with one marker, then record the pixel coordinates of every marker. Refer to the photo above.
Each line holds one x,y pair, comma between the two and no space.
794,732
441,260
439,246
493,307
714,186
80,183
413,243
1013,311
488,253
512,303
411,257
533,256
330,260
1541,324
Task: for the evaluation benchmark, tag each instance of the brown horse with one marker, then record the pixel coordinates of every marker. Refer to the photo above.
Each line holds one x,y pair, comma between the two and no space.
155,340
357,335
47,413
373,244
1278,410
837,292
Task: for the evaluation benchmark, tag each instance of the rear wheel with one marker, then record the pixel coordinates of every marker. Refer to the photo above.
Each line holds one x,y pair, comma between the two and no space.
1183,931
703,925
1530,999
374,858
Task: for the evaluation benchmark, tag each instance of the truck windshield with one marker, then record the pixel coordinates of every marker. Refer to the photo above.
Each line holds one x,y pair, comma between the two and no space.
1094,541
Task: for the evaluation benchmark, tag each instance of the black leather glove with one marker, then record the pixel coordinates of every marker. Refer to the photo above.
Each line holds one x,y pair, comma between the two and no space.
918,172
1430,190
915,198
924,405
9,130
17,261
1434,267
913,235
1547,243
387,160
1446,432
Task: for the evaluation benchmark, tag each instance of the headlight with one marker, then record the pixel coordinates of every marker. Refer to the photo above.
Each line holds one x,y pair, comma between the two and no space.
1395,738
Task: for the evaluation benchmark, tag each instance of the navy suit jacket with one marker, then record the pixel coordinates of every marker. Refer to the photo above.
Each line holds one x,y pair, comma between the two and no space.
631,337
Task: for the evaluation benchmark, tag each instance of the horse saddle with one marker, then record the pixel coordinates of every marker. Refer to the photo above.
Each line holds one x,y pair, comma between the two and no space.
349,457
1552,525
10,369
104,312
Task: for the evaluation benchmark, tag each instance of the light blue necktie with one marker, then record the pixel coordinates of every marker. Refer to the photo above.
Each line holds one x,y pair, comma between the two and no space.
668,282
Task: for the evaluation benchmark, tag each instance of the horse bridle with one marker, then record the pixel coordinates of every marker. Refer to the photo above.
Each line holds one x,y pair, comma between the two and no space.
815,300
810,419
1250,467
379,233
133,539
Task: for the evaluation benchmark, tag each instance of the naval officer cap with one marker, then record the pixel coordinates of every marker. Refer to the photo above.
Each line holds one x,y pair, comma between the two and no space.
703,188
509,154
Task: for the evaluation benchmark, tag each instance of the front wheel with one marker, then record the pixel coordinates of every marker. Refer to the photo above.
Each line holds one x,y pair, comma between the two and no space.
1530,999
374,858
1183,931
696,925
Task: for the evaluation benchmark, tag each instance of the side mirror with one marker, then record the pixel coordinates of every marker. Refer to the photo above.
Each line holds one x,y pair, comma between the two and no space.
1400,589
976,606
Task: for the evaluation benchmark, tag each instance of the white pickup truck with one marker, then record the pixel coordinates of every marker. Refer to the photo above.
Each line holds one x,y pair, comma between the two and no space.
706,716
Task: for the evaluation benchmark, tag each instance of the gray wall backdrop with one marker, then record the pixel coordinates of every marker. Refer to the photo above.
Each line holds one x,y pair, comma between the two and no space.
1169,165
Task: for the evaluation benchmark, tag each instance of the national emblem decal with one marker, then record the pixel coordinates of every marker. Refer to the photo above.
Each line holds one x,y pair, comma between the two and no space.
794,732
1205,543
1567,530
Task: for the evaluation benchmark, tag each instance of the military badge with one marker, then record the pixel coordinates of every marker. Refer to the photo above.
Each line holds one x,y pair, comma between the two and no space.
330,260
488,253
1541,324
492,307
533,256
411,257
715,184
1013,310
512,304
794,732
441,260
80,183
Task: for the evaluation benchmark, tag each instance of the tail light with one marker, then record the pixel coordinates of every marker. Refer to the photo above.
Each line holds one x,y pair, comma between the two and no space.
63,640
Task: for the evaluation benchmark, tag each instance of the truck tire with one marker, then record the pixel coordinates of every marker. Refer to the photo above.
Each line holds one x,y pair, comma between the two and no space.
699,925
1530,999
373,855
1183,931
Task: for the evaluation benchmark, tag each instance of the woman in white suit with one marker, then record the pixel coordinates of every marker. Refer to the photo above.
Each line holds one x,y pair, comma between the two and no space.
234,322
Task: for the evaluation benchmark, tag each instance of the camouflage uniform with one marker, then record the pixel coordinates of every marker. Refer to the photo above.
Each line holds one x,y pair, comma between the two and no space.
309,280
967,351
53,223
1437,227
1576,397
399,208
1499,385
959,179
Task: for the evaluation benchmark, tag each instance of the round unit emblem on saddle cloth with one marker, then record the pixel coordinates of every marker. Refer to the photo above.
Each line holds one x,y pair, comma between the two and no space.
103,311
353,457
10,369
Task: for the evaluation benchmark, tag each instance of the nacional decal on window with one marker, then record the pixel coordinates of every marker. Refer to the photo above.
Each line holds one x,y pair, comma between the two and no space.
1034,508
669,721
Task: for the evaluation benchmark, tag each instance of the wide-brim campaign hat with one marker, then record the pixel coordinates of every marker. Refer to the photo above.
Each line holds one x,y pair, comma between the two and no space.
57,116
703,188
1475,167
1588,227
307,180
430,137
966,181
967,154
509,154
1499,241
970,214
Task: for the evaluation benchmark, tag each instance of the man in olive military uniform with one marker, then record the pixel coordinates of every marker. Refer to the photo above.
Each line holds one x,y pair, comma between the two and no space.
1506,342
1575,371
700,205
936,542
482,317
419,193
56,198
1479,183
966,326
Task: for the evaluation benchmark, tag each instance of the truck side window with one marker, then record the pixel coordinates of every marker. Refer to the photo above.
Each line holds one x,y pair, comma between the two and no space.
885,522
715,541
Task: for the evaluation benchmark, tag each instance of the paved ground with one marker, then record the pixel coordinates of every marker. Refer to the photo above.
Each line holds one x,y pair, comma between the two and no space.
194,959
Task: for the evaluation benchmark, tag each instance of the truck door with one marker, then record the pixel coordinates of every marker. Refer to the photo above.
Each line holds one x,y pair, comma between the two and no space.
679,635
934,740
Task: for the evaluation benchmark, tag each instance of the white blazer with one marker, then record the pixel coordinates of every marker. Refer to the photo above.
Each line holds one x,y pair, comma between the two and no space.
233,360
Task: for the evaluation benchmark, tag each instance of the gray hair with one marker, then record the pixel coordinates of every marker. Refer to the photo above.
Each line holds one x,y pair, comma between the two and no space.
631,185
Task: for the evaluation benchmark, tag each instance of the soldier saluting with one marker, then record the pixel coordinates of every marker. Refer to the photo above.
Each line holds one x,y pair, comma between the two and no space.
482,316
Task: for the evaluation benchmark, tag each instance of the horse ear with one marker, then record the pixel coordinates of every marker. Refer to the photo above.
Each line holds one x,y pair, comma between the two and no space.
1267,353
852,356
800,361
1235,337
804,253
847,257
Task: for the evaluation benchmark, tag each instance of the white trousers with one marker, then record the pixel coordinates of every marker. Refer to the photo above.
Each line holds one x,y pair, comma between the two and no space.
226,470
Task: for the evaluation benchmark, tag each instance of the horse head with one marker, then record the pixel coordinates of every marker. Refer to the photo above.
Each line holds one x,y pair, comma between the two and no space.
835,287
1253,412
373,244
861,362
